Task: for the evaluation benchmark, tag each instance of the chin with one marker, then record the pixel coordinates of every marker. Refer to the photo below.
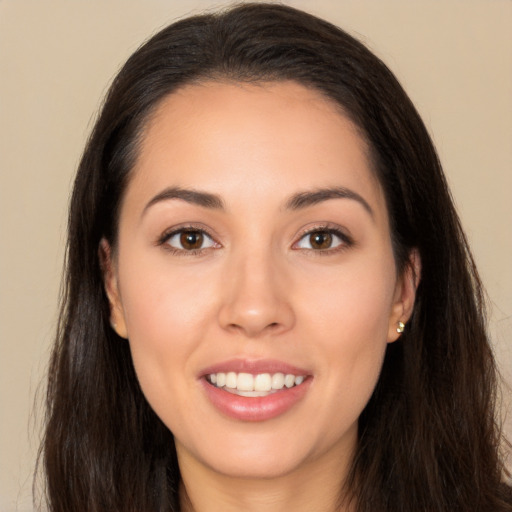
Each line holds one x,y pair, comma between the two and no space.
260,466
272,453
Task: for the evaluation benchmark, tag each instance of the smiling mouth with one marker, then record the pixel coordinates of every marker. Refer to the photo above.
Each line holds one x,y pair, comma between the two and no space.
249,385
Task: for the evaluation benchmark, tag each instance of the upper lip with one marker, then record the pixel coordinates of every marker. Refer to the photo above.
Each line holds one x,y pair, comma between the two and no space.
254,367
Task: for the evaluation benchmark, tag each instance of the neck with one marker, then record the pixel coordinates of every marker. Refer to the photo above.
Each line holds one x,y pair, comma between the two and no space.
317,486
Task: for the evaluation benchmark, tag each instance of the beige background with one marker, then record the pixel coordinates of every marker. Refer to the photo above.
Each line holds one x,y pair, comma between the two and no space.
56,58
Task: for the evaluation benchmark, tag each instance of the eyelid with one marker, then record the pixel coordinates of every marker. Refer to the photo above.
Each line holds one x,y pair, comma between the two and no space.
328,227
170,232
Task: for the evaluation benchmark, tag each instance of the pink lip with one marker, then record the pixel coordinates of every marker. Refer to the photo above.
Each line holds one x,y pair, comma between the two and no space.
255,408
254,367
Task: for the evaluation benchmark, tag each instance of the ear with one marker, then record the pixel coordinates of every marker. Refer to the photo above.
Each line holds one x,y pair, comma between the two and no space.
405,294
107,263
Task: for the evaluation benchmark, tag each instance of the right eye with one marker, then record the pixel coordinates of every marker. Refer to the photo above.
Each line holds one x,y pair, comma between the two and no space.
321,240
188,240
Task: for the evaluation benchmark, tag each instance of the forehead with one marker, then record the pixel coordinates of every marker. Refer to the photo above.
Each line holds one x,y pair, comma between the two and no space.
237,140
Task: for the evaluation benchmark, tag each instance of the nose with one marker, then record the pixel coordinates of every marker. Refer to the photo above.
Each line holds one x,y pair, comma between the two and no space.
255,296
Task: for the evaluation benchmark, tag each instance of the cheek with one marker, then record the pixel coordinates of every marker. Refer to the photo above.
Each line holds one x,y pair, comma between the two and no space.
161,297
348,317
353,302
167,312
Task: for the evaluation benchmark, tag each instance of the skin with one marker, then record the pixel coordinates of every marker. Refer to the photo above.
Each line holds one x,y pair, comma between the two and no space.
258,289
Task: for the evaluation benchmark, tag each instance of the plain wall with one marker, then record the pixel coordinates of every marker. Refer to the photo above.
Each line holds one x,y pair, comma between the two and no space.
454,57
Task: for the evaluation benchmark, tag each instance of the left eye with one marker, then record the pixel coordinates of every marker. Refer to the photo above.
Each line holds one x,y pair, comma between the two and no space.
320,240
190,240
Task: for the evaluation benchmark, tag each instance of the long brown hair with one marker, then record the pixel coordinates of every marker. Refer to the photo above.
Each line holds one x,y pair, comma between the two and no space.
428,438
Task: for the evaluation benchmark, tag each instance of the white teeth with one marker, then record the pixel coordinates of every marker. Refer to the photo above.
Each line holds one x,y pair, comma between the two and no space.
277,381
261,384
244,382
221,380
247,393
231,380
289,380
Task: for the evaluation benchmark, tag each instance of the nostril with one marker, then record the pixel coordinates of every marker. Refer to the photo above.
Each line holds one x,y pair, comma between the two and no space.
255,330
255,318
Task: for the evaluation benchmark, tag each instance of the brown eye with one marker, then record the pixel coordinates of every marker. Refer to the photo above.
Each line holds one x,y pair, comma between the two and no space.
320,240
191,240
323,240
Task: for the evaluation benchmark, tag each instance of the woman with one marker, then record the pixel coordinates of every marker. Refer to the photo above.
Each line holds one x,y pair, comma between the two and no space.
269,303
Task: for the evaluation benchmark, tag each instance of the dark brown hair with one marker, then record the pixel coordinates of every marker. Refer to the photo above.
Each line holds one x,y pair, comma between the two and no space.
428,438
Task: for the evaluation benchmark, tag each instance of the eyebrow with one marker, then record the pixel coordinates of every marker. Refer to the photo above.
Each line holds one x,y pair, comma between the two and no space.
310,198
298,201
204,199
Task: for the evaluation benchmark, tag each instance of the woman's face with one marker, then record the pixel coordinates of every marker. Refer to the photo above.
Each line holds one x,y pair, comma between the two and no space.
254,254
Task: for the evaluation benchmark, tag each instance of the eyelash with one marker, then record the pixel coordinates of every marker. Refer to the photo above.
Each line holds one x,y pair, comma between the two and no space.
345,240
167,235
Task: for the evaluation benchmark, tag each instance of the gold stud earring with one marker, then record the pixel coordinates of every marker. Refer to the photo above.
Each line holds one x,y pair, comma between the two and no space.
400,328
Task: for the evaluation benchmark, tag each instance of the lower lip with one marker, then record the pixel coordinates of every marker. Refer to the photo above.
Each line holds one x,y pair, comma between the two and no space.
259,408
